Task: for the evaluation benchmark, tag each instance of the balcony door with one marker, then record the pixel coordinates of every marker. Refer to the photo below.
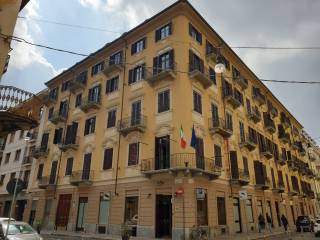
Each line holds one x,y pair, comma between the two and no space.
135,113
44,140
200,154
86,166
63,108
94,94
162,152
72,133
82,210
234,165
52,178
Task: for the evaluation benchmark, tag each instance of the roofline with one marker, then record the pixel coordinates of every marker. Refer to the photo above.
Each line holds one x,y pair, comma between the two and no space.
124,35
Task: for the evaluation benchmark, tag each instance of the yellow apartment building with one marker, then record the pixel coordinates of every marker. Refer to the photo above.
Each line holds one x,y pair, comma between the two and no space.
110,150
9,10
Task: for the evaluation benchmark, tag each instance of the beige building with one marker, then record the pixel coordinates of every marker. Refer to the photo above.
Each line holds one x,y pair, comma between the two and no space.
110,151
9,10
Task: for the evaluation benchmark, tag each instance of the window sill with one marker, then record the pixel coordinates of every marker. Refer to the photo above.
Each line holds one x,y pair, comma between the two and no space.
164,112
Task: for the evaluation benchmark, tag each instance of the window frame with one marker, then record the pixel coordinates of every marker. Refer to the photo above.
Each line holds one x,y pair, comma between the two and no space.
112,85
131,161
90,126
164,105
111,118
107,163
197,102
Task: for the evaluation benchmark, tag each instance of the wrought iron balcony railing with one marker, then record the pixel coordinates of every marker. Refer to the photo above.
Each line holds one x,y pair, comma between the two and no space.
240,176
11,96
189,163
264,184
41,151
47,182
230,97
130,124
200,73
83,177
69,143
220,126
254,114
90,103
168,72
249,141
113,65
58,116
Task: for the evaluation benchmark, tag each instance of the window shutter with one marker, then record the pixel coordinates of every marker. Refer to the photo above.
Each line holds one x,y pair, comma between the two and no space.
155,66
191,67
133,48
217,155
190,29
86,128
157,35
107,161
234,165
93,124
170,28
130,76
171,58
143,66
92,71
200,38
40,171
144,40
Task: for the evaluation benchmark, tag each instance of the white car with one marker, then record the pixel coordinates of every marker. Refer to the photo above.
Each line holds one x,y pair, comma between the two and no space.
18,231
316,226
2,219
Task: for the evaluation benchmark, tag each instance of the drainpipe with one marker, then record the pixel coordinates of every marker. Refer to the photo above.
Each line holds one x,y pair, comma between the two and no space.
121,114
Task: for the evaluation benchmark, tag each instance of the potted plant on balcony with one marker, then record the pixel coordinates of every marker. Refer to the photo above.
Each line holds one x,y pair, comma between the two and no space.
125,231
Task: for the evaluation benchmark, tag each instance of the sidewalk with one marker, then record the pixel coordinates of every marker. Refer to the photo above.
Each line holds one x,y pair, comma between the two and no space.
65,235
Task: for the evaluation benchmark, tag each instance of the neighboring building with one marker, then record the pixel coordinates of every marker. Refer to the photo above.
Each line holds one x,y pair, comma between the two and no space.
17,158
110,148
9,10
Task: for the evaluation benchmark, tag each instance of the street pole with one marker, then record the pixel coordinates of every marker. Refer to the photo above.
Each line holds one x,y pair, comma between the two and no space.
27,138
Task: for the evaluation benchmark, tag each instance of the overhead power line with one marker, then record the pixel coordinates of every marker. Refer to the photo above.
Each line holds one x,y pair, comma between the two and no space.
118,32
21,40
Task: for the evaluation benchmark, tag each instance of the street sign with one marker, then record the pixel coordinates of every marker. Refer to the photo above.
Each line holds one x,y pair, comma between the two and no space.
11,185
243,195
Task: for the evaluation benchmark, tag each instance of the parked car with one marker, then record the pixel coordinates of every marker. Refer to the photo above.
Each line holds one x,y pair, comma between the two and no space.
303,223
317,225
18,231
3,219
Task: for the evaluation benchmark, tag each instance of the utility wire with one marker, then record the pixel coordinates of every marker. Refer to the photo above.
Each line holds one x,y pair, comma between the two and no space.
21,40
118,32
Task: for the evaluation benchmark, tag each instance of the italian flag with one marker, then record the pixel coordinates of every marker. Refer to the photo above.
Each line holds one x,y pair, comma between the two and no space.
183,141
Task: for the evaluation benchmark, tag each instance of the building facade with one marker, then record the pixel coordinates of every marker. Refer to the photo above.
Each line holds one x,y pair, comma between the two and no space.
16,162
110,150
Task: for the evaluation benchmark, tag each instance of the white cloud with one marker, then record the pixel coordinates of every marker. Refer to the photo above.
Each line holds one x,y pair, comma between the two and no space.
24,55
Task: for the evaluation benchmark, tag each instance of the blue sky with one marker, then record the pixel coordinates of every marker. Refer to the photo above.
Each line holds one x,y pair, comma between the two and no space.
239,22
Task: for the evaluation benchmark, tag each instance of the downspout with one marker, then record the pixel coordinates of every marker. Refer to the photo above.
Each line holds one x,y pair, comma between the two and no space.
121,114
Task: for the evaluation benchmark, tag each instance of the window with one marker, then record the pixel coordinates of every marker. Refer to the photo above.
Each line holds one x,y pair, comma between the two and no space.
241,128
53,94
2,177
163,32
17,156
115,58
197,104
229,121
65,86
133,158
136,74
107,160
90,126
21,134
245,165
82,77
217,155
202,207
163,62
94,94
50,113
214,113
26,177
40,171
44,140
63,109
221,206
112,116
97,68
103,210
112,85
249,210
138,46
212,76
58,134
131,208
7,157
163,101
195,34
195,63
78,100
12,175
69,167
210,48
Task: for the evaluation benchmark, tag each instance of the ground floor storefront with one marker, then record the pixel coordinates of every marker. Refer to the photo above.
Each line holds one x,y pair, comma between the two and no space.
167,206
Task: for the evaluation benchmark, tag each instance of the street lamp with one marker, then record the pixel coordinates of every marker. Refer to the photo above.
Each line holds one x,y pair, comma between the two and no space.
219,67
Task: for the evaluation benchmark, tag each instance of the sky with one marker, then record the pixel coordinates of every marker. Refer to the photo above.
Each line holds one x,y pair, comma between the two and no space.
285,23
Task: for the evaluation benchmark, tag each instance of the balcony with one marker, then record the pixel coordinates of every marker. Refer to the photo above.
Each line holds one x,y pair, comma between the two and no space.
49,99
33,136
295,146
280,188
200,74
113,66
47,182
282,160
242,82
254,115
284,137
248,141
292,165
219,126
41,151
76,85
269,126
57,117
72,144
90,104
158,74
266,152
231,98
81,178
241,177
263,185
285,120
293,192
27,160
258,96
131,124
186,163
